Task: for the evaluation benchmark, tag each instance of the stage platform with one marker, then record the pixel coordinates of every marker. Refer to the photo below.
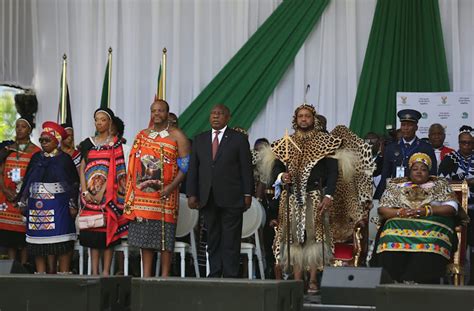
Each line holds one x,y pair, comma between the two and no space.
86,293
402,297
314,302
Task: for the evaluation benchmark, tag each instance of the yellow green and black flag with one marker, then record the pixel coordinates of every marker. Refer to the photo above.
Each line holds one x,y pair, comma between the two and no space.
159,89
161,83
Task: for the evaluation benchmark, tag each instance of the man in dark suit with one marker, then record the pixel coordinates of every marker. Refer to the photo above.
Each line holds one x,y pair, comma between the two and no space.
396,154
220,181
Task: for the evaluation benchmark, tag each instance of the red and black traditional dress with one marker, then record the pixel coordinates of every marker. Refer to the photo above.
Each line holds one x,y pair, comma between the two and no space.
105,180
12,224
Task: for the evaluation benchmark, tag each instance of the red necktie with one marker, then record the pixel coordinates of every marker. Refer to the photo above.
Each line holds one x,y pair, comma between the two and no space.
215,144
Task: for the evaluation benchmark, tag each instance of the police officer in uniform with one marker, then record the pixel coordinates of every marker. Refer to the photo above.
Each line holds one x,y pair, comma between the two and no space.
396,154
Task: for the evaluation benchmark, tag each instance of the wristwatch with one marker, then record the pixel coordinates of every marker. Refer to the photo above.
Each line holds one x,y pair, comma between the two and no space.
329,197
84,193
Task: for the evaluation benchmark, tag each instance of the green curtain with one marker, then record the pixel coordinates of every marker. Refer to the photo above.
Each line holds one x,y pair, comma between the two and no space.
249,78
405,53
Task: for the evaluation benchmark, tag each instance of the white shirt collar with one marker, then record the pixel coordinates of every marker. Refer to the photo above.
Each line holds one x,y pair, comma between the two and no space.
222,130
409,142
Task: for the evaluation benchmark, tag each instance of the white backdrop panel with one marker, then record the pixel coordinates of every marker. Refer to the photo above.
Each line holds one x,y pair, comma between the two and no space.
451,109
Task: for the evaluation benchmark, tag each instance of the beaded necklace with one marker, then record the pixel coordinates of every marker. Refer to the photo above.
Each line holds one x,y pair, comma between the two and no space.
163,133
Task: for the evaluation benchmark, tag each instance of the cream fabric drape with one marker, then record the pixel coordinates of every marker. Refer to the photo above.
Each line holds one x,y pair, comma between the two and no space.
201,36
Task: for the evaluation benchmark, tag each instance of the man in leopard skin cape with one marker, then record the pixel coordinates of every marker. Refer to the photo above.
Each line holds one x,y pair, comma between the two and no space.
330,181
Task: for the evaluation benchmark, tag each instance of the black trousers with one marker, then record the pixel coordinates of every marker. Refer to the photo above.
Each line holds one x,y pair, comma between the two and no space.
423,268
224,232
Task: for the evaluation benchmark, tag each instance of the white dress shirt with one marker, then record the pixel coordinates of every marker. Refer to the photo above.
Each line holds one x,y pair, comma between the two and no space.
221,134
438,155
409,142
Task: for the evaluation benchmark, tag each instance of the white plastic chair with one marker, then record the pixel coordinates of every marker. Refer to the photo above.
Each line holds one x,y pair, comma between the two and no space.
187,220
122,247
89,263
253,219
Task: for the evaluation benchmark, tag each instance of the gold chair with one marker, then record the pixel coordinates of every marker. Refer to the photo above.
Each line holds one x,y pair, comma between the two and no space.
458,259
353,253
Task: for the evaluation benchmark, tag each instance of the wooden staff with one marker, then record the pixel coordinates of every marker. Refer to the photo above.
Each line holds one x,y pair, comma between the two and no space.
285,143
162,175
321,198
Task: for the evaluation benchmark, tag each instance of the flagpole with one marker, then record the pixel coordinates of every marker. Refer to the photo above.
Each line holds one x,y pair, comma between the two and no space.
63,90
110,77
163,63
157,95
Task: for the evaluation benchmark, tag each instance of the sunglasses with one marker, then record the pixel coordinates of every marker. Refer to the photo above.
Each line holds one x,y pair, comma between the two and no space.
45,140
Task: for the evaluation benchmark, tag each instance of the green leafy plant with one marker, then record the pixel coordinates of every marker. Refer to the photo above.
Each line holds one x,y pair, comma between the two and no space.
8,115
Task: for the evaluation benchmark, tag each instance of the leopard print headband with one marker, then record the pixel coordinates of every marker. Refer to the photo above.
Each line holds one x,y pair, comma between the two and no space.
307,107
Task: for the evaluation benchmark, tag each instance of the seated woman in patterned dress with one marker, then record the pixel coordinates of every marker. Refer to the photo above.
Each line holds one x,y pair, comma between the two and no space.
49,193
418,236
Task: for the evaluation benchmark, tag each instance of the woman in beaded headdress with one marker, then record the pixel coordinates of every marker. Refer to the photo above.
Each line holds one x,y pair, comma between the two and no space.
14,159
418,236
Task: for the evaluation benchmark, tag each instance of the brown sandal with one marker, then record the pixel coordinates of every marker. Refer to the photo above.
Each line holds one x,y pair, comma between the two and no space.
313,288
